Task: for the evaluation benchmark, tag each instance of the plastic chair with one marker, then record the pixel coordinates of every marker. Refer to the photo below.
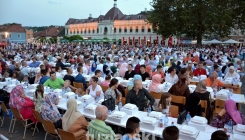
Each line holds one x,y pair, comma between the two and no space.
174,111
5,110
156,95
64,135
50,129
218,106
126,93
104,88
123,100
18,116
78,85
204,105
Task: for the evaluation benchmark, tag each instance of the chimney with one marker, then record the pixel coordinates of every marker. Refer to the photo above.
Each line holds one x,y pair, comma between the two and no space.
115,3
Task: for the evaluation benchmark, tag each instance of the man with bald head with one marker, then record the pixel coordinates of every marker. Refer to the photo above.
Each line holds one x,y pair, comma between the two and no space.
137,96
213,81
97,128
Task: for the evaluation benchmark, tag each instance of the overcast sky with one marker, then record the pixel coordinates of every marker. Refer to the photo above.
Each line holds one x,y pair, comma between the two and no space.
57,12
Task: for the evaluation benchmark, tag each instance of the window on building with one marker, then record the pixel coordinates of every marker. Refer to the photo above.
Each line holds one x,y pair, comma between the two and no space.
115,30
89,31
85,31
77,32
143,29
93,31
74,32
131,30
125,29
10,35
19,36
149,29
136,29
120,30
28,36
97,30
81,31
70,32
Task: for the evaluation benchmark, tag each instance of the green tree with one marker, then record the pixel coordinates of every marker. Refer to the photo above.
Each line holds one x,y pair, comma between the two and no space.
194,18
73,37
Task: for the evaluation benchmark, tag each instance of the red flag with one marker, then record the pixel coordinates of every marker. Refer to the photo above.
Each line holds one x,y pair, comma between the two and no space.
170,41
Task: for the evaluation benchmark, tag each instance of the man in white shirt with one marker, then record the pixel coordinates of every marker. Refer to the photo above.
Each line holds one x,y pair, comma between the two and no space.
24,69
100,65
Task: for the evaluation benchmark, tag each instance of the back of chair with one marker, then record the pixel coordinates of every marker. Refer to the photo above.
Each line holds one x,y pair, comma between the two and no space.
37,116
16,113
126,93
4,108
49,127
104,88
123,101
174,111
64,135
156,95
204,105
78,85
178,99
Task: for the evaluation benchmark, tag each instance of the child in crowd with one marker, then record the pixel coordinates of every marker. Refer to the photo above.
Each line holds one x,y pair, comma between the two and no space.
164,103
132,129
66,87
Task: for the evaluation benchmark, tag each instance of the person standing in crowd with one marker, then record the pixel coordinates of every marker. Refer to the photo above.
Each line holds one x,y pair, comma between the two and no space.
73,121
53,82
130,73
138,94
97,128
144,75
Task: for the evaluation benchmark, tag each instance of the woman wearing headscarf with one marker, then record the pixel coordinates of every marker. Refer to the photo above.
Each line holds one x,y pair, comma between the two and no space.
123,68
113,70
73,121
193,105
22,103
232,74
106,70
49,110
204,95
131,83
137,69
93,67
230,112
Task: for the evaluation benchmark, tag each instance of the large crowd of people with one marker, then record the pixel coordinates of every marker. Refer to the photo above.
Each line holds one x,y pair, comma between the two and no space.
60,66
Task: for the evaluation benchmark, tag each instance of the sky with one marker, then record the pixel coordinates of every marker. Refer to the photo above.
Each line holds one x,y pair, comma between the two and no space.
57,12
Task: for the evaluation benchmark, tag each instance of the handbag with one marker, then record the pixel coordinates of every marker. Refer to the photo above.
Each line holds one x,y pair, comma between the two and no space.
181,117
109,103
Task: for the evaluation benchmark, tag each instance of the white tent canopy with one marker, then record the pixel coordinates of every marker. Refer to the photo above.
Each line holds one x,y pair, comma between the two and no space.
231,41
214,41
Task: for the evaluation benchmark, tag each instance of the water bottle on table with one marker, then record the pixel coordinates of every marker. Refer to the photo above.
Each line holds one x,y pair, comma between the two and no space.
166,87
160,123
230,126
166,120
119,105
149,109
188,118
84,103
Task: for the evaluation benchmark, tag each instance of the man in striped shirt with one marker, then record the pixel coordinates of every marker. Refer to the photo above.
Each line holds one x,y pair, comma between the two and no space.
97,128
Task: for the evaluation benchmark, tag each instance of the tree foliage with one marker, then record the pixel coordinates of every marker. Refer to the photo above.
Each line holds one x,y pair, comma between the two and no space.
73,37
194,18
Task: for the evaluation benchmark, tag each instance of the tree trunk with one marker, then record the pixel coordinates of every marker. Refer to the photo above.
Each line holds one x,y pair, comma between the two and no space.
199,39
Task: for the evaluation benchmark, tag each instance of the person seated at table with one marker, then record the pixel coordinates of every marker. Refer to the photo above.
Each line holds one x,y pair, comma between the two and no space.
34,62
144,75
66,86
156,85
180,89
53,82
73,121
98,74
148,69
79,92
217,69
183,72
94,89
37,78
97,128
93,67
132,129
165,103
80,79
19,74
130,73
47,66
189,70
123,69
171,77
25,80
219,135
38,98
201,89
24,104
60,64
49,110
106,70
106,82
137,69
131,83
232,74
229,112
213,81
5,75
44,78
69,76
170,133
112,91
58,72
200,70
159,71
193,105
138,94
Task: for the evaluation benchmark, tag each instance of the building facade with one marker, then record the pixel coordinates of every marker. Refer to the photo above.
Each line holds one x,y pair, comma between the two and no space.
127,29
13,33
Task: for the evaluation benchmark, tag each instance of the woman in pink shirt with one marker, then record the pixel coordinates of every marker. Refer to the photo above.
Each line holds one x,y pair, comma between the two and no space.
107,81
